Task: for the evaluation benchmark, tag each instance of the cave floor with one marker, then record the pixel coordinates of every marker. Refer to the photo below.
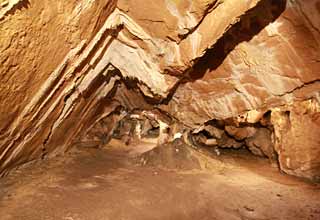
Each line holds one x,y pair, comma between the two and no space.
101,184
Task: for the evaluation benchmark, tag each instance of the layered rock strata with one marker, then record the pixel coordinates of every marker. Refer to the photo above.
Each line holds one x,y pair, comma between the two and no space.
214,73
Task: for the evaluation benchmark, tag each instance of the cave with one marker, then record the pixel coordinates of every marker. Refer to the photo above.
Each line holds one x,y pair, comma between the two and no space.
169,109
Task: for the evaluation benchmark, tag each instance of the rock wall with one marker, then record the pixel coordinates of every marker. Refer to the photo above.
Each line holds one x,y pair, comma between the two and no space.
38,39
70,72
297,129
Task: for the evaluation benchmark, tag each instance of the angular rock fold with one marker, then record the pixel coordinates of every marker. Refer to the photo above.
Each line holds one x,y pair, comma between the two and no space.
211,73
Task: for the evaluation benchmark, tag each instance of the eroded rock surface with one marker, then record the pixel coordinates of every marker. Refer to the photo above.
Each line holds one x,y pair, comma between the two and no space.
216,73
297,130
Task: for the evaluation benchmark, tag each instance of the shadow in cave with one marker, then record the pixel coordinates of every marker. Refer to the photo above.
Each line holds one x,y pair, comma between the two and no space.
249,25
19,6
245,161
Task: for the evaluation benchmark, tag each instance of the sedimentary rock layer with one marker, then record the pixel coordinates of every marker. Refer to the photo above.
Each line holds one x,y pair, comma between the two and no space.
72,70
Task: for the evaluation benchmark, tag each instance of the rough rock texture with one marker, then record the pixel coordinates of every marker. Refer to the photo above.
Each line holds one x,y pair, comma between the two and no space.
297,142
72,71
263,69
37,43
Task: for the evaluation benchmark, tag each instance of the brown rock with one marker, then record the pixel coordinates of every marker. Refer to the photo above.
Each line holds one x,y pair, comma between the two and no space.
227,142
261,144
67,65
297,142
254,67
240,133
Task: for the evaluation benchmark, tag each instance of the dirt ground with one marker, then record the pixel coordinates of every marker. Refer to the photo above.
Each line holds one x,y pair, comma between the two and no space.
103,184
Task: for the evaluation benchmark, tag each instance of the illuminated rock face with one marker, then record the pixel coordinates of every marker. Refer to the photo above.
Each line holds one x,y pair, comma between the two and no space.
71,72
297,129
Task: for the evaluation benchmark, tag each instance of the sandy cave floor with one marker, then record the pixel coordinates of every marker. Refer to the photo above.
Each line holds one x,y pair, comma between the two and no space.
103,184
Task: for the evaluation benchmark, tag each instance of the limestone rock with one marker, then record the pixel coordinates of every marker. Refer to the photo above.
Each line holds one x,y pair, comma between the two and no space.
68,66
261,144
260,62
227,142
240,133
297,142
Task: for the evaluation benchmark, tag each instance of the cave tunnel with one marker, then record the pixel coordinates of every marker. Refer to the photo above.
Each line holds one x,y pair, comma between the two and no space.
170,109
